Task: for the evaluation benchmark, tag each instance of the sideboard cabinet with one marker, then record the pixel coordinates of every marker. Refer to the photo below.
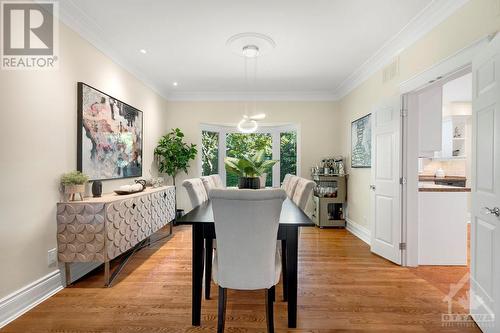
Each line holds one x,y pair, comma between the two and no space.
100,229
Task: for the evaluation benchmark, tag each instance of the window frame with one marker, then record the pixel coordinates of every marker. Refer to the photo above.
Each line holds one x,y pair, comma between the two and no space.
273,130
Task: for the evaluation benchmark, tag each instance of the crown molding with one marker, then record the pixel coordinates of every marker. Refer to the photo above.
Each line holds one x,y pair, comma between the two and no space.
431,16
253,96
87,28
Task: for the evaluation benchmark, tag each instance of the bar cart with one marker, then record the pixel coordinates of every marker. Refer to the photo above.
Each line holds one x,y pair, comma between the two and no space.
329,199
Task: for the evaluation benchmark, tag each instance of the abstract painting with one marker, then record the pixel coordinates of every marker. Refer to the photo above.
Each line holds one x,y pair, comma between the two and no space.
361,142
109,136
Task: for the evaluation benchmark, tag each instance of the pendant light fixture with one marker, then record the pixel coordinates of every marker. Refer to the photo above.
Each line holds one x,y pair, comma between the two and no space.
250,46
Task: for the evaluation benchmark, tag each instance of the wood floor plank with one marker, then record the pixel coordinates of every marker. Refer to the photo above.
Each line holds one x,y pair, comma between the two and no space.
342,288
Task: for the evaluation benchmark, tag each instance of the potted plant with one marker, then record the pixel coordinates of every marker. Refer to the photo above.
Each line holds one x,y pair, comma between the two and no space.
73,183
173,155
249,169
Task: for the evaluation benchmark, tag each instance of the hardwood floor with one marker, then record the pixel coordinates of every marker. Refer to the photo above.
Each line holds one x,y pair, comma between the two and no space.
342,287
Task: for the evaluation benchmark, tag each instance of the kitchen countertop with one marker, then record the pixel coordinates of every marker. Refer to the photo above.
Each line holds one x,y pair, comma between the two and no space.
431,178
431,187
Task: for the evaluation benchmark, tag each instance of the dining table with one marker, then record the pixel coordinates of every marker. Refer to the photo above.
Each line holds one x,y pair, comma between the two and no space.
201,219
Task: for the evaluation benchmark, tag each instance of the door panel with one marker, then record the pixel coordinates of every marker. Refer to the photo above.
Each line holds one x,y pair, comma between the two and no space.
386,190
485,235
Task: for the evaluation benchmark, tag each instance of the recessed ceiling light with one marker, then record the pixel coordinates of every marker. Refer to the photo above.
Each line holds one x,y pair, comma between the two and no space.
143,51
175,84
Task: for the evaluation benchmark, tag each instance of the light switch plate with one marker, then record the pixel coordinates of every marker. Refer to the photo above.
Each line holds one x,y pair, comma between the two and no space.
52,257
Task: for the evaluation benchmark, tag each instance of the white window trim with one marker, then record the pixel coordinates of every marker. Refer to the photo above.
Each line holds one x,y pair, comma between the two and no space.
274,130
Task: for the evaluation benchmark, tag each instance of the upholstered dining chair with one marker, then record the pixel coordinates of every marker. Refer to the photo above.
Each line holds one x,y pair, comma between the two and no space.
284,184
302,192
247,256
196,191
217,181
208,183
290,188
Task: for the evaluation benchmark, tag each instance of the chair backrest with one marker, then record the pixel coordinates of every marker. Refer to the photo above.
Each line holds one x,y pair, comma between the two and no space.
284,184
196,191
290,187
303,192
217,181
246,225
211,182
208,183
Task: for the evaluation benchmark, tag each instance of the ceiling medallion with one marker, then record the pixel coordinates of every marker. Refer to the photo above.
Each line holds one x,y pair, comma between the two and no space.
264,44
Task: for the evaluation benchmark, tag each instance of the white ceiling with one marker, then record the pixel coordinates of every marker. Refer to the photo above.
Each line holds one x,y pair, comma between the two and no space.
323,46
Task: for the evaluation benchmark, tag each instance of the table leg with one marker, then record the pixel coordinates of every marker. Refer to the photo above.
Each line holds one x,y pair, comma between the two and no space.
292,246
208,266
283,269
197,277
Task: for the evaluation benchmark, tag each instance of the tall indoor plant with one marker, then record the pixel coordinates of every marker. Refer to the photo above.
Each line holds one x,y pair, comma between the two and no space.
249,168
173,154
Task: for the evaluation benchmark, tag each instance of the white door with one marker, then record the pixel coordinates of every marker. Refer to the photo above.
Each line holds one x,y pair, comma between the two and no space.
385,188
485,232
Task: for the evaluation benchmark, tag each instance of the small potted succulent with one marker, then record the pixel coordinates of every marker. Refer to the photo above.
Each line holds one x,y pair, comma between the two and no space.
74,182
249,169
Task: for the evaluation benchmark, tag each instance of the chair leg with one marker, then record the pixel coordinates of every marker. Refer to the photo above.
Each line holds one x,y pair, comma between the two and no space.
208,266
272,291
283,270
221,315
269,310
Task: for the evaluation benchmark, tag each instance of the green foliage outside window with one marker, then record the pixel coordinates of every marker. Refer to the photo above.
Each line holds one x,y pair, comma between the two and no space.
239,144
209,153
288,154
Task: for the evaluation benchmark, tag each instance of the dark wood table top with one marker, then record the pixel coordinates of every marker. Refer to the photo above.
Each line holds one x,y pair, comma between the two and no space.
291,215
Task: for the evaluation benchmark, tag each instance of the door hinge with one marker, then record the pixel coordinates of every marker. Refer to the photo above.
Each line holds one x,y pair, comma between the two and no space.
402,180
402,246
404,113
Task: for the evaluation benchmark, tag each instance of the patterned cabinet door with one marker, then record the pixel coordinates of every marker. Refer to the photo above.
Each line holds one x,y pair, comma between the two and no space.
80,232
123,226
163,208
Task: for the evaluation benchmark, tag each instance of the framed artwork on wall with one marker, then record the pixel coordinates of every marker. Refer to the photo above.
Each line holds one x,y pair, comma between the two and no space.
110,136
361,142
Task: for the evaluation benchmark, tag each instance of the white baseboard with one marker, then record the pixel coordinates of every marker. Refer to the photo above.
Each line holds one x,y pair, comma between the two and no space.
358,230
26,298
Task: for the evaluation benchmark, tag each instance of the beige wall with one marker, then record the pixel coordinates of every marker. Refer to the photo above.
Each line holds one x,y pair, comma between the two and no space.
38,144
319,125
474,20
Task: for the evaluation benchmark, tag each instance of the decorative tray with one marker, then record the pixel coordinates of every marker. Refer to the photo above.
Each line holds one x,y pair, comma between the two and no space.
120,192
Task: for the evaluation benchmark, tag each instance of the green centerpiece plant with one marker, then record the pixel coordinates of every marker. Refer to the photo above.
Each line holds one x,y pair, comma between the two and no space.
249,168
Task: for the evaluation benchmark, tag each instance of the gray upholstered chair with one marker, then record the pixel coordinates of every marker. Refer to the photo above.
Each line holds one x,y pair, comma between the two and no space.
247,256
302,192
290,188
196,191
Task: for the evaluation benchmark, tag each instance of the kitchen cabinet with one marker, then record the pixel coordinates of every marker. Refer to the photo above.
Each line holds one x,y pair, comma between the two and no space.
442,226
430,107
453,138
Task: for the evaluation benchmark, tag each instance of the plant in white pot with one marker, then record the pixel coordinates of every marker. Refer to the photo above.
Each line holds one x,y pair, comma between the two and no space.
249,169
74,182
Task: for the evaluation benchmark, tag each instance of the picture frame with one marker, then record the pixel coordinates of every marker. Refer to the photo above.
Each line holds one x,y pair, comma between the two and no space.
361,139
109,136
